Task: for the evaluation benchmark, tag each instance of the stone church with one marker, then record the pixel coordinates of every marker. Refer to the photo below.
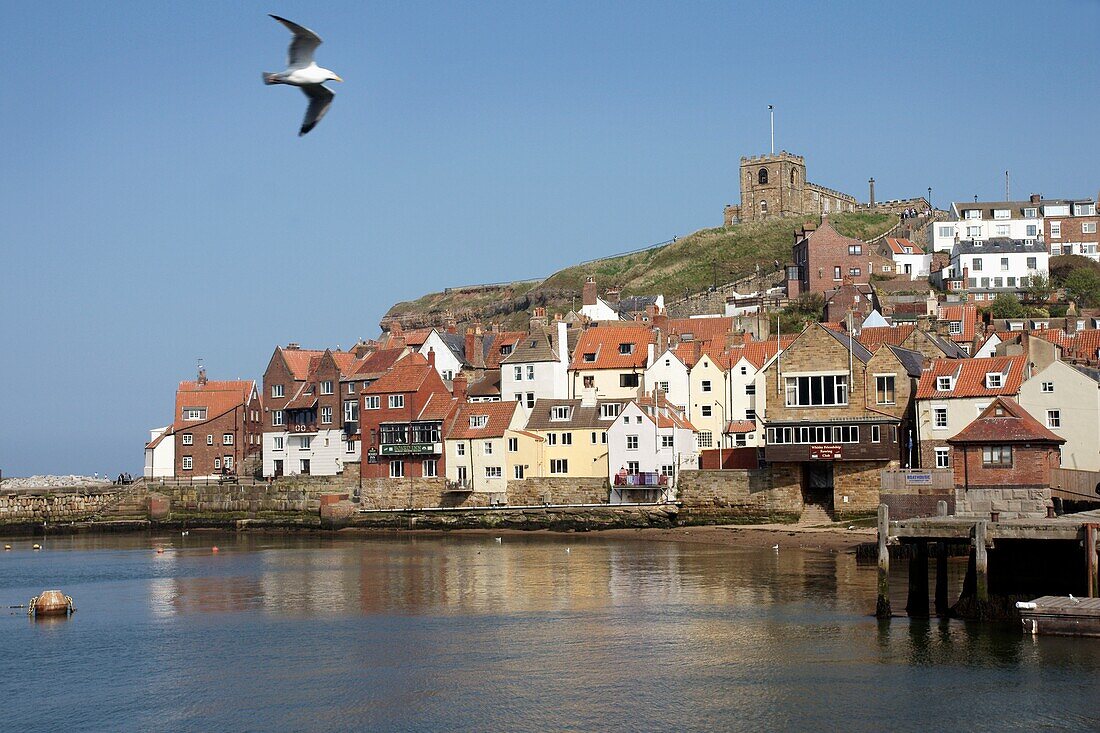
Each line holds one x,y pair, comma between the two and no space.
775,185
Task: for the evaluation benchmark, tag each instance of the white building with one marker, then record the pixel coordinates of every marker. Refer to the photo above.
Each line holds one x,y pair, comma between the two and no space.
450,350
669,372
538,367
909,258
1066,398
160,453
991,266
978,221
647,447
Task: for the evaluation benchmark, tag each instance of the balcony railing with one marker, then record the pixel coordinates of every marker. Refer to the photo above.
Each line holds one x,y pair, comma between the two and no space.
641,480
459,487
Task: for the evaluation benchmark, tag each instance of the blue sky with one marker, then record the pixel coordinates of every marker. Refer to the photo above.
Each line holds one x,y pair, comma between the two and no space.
158,205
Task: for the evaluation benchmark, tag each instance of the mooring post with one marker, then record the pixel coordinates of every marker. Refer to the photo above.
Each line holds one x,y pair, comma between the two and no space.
1090,558
882,605
941,578
916,605
981,563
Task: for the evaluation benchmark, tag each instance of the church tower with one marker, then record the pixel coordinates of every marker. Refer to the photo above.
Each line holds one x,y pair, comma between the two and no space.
772,185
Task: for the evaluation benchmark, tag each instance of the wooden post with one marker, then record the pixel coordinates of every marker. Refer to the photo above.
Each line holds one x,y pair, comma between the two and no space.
1090,558
941,579
882,605
981,563
917,603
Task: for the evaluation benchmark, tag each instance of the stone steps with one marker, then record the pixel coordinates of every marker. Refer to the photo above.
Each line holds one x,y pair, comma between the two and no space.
814,514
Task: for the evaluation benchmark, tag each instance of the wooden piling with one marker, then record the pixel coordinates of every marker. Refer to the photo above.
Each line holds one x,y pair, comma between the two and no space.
882,604
1090,558
941,579
916,604
981,564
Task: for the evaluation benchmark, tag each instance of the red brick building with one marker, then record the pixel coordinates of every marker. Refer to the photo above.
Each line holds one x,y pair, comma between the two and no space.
1004,448
824,259
402,416
217,425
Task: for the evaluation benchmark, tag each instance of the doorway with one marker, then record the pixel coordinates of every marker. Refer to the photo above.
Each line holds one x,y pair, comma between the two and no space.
817,484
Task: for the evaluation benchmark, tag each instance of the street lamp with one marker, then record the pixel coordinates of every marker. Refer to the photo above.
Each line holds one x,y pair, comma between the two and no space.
930,206
722,433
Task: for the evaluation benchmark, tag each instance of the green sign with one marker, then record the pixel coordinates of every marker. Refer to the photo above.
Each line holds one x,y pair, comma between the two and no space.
405,449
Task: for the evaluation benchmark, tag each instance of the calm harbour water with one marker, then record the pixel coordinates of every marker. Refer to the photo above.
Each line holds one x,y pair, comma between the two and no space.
436,633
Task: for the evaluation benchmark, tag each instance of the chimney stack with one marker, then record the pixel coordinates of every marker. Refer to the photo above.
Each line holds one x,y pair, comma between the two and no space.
588,292
612,295
202,374
458,387
872,184
431,357
293,346
1035,198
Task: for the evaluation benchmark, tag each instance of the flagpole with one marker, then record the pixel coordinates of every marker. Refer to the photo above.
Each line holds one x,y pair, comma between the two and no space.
771,114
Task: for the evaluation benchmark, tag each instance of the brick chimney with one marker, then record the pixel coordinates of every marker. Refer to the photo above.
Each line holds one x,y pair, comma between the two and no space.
458,387
475,347
202,374
431,357
1035,198
293,346
588,292
612,295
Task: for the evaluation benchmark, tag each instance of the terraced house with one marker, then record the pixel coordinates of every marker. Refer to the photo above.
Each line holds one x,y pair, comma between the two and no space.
609,361
483,448
836,414
953,392
217,425
574,434
402,417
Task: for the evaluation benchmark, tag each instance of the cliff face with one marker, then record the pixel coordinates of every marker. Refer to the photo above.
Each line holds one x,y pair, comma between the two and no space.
686,266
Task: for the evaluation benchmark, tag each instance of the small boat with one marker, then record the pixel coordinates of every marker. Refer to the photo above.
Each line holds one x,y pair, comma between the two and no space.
50,603
1061,616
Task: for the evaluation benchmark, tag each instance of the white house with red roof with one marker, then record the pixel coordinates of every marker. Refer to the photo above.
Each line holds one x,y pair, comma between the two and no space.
482,445
909,258
952,392
648,444
609,361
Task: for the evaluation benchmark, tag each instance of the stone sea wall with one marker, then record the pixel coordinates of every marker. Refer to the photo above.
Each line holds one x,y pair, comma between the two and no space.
44,505
739,496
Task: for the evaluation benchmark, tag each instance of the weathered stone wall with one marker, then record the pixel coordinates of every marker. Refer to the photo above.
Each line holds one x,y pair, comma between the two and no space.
276,497
415,493
37,506
535,491
770,494
580,519
1009,503
856,487
916,501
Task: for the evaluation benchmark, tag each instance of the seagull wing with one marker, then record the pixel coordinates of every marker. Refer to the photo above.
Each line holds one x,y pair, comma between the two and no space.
300,53
320,97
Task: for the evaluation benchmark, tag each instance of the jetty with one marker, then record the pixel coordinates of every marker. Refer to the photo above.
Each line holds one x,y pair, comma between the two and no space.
1009,560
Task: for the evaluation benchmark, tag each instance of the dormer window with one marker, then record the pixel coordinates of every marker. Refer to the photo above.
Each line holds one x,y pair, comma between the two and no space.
559,413
972,214
1002,214
590,356
478,421
689,336
610,410
945,384
994,380
908,250
626,349
506,350
194,413
955,328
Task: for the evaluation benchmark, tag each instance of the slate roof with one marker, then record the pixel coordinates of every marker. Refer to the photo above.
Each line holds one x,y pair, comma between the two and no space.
630,305
581,416
537,346
498,414
487,387
1004,421
998,246
988,207
913,361
969,377
859,351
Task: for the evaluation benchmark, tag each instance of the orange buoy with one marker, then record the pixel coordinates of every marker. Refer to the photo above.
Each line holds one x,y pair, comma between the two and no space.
50,603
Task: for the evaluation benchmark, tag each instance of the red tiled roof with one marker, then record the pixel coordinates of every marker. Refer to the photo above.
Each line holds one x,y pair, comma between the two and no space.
704,330
438,407
897,246
874,336
498,414
741,426
217,397
301,361
405,376
969,377
1004,421
603,342
967,315
346,361
379,362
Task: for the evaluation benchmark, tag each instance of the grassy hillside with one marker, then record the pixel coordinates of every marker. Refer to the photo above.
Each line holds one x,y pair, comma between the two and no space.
686,266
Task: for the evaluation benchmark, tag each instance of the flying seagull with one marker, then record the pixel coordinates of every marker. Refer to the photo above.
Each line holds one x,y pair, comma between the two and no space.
304,73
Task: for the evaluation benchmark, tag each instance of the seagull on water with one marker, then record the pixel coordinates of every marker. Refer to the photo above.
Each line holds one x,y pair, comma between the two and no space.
303,72
775,547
